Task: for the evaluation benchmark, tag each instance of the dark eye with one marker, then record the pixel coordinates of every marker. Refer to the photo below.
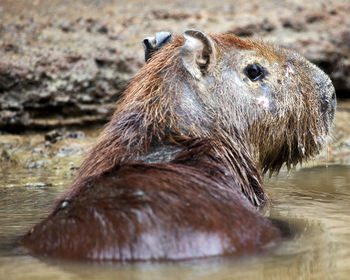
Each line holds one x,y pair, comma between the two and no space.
254,71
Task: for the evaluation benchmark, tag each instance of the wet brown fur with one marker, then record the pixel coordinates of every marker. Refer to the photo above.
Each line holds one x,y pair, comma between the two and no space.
200,200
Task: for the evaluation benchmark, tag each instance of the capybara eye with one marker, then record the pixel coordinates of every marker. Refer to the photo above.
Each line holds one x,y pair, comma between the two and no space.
254,71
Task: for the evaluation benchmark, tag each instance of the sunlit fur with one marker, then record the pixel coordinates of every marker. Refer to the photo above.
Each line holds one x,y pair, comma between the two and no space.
181,161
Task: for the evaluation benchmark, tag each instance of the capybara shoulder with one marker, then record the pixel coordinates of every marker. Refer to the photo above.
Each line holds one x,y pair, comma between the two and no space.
177,172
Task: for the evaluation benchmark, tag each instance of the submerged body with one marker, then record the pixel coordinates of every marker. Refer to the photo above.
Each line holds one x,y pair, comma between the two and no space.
176,174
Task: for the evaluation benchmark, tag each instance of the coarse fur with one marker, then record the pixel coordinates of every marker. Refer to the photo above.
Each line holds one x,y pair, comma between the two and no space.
177,172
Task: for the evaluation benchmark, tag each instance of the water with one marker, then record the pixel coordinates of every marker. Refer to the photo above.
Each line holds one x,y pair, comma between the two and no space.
313,201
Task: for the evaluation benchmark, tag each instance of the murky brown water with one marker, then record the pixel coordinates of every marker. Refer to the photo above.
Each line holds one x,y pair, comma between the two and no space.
314,201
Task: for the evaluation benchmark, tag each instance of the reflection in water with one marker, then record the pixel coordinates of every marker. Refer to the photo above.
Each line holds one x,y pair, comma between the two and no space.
313,201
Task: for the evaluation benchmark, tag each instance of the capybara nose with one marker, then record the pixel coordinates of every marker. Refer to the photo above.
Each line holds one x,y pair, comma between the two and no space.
326,93
328,99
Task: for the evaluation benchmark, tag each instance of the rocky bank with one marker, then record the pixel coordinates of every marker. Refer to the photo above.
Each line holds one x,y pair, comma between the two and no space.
65,63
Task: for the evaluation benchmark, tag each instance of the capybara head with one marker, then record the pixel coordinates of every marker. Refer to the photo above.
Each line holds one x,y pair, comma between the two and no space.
268,100
279,103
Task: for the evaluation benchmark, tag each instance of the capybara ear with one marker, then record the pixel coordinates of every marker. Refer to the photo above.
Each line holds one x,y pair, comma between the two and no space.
198,53
153,44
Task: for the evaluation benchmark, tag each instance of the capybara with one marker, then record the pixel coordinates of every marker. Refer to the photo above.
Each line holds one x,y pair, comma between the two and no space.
177,172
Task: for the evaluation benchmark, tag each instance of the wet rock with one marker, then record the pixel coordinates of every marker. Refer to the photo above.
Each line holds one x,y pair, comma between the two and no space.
58,135
54,136
75,135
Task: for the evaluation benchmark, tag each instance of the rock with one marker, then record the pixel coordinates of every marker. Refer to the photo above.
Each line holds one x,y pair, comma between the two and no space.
4,155
54,136
75,135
